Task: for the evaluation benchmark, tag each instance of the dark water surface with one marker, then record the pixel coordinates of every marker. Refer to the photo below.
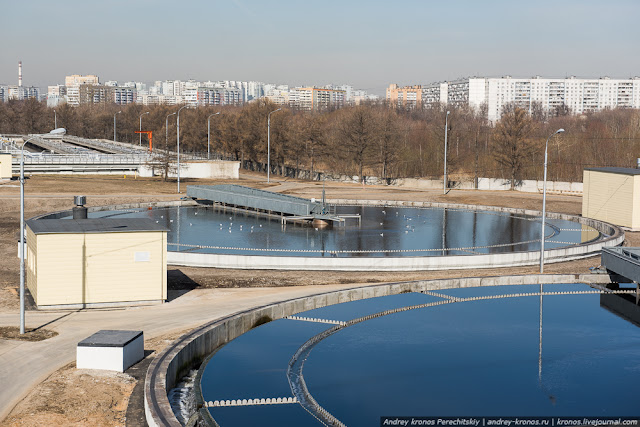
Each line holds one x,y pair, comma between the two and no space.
383,232
476,358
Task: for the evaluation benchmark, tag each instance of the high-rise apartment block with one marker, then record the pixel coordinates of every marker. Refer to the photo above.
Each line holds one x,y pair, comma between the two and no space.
577,95
316,99
407,97
77,79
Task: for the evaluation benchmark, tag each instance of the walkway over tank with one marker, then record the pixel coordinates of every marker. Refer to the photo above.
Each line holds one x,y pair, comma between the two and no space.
252,198
624,261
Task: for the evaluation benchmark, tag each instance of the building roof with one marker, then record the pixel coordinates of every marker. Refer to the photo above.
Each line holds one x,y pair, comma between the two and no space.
623,171
110,338
93,225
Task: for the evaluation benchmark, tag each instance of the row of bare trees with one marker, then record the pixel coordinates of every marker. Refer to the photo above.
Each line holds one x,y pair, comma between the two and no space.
370,139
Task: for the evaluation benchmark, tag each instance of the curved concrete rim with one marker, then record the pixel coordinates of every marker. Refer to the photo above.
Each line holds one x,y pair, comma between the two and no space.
194,347
613,236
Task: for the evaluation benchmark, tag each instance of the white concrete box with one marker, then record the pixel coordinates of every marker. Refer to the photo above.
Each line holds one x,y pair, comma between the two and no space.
110,350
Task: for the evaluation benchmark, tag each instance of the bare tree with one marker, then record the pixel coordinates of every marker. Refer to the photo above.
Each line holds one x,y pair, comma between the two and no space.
388,140
512,146
358,132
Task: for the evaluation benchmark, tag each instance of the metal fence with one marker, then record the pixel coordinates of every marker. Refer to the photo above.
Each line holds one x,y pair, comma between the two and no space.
89,158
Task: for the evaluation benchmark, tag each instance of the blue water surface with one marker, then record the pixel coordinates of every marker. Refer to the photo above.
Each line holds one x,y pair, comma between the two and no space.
383,232
478,358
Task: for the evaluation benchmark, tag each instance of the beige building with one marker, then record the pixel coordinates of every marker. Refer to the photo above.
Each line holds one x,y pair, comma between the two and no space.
612,195
316,99
408,97
93,262
5,166
77,80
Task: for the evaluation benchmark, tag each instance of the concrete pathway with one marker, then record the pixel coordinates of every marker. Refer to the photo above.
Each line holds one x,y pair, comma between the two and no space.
23,365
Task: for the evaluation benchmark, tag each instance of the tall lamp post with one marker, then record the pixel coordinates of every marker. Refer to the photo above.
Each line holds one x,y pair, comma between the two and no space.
166,129
114,125
55,119
544,200
209,135
178,144
22,237
269,143
446,131
140,143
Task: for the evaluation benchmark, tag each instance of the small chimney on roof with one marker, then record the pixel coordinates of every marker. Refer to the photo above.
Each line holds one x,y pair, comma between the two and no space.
19,73
79,211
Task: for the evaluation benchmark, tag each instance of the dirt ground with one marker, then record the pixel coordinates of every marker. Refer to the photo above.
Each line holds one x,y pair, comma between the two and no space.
38,334
82,397
86,397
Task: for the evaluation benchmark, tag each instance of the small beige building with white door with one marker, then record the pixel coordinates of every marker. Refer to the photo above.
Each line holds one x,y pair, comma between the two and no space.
612,195
96,262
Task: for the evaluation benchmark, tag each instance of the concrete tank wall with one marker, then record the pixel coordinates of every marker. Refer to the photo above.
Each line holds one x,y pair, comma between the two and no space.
191,349
198,169
615,237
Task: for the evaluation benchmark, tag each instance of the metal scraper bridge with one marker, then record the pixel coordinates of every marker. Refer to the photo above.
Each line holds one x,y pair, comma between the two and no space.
290,208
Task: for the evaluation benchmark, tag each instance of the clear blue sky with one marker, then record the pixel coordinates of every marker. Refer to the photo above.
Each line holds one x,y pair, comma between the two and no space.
367,44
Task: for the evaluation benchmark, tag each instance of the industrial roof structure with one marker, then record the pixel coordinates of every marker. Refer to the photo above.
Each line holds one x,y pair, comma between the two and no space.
93,225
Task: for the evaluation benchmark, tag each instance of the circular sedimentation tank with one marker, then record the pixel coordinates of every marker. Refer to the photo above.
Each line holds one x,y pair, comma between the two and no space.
374,236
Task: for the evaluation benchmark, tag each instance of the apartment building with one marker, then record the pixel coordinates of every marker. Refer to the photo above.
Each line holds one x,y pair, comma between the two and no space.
123,95
316,99
408,97
578,95
219,96
77,79
102,94
22,92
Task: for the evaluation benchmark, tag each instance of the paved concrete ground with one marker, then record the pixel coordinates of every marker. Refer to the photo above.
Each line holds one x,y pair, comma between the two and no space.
25,364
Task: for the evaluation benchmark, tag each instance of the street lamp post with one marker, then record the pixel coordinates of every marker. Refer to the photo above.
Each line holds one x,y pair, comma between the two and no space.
22,236
269,144
114,125
446,131
544,201
140,143
55,119
209,135
166,131
178,140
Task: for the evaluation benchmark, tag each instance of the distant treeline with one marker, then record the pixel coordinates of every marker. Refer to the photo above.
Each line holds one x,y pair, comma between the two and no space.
369,139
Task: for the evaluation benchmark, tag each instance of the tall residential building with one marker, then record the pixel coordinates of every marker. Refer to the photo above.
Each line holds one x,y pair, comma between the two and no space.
578,95
125,95
406,97
316,99
22,92
73,84
77,79
255,90
102,94
219,96
58,90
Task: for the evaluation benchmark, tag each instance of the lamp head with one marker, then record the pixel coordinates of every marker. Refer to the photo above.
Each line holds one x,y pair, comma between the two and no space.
448,112
560,130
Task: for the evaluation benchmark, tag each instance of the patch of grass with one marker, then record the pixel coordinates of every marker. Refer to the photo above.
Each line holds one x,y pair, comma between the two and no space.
13,333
